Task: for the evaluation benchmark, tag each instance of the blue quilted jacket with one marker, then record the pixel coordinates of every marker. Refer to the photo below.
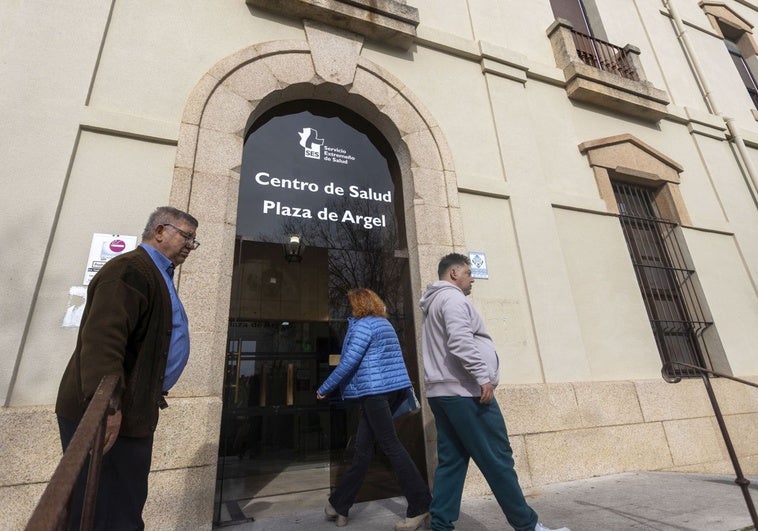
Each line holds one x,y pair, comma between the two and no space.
371,361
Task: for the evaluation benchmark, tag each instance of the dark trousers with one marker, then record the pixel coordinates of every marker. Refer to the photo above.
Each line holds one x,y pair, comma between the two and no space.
375,426
122,490
468,429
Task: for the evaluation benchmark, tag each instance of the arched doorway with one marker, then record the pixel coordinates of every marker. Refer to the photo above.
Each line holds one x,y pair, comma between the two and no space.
219,111
320,211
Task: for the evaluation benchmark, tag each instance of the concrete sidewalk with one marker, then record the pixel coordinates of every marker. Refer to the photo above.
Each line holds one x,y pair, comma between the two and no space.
660,501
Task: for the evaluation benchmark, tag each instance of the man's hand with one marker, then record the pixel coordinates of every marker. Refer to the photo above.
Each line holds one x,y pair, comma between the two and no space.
320,397
112,427
488,393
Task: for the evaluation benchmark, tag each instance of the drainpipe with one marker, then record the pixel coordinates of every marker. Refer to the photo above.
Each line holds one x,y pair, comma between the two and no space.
742,149
731,126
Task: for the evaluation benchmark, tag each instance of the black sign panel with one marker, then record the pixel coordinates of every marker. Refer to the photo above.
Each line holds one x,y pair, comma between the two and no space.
320,178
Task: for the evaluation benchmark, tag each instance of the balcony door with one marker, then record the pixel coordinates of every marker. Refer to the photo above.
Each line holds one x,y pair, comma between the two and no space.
574,12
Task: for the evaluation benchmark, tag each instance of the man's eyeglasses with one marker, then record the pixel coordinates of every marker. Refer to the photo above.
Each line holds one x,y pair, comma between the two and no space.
190,240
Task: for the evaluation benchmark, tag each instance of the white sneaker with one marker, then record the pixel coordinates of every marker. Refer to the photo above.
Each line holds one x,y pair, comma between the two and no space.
540,527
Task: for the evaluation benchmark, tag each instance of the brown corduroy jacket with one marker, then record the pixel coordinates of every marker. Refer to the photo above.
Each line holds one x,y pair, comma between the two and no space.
125,330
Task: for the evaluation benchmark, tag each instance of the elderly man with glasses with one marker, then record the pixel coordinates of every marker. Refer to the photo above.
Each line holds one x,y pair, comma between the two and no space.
133,325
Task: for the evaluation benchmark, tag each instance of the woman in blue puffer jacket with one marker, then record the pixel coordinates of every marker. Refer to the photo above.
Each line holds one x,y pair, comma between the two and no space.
372,371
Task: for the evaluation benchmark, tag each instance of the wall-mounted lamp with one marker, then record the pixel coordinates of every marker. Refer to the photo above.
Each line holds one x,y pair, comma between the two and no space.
294,248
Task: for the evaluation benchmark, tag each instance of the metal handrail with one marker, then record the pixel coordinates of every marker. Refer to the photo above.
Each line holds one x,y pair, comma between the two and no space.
741,480
52,511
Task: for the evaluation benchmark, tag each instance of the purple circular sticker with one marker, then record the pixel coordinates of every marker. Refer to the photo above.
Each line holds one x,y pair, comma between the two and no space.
117,246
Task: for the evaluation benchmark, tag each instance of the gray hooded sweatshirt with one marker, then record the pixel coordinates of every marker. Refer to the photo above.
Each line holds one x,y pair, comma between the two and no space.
459,355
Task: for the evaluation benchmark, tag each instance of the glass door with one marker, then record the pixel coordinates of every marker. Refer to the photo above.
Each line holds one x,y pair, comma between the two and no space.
317,174
275,435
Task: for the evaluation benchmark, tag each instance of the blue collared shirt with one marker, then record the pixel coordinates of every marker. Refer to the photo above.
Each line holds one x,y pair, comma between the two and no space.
179,347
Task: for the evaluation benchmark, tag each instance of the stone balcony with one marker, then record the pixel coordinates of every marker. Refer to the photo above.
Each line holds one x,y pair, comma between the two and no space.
618,86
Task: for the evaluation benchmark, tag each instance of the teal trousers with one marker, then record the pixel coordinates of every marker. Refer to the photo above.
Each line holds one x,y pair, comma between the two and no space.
467,429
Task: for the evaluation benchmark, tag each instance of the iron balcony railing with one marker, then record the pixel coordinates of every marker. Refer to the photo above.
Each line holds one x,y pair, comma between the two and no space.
706,374
53,510
604,55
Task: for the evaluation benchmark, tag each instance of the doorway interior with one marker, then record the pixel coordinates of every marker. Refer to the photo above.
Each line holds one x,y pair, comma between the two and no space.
280,449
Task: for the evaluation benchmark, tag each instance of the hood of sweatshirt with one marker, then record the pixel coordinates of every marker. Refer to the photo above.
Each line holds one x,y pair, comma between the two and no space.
432,291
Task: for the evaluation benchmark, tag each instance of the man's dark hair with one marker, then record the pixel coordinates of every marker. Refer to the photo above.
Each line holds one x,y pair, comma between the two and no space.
450,260
163,215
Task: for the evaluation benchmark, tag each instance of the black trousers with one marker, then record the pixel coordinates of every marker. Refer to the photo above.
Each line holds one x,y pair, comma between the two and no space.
375,426
122,490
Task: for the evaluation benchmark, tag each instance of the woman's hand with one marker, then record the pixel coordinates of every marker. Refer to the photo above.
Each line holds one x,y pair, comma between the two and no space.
320,397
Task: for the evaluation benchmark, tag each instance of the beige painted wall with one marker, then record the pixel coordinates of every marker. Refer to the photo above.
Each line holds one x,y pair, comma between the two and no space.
114,185
155,53
731,296
609,306
45,75
93,146
502,299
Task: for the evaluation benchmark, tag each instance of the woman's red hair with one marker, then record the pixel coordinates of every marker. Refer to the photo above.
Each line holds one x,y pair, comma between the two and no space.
365,302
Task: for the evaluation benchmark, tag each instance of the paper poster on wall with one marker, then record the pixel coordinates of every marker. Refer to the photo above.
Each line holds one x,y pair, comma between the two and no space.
103,248
77,297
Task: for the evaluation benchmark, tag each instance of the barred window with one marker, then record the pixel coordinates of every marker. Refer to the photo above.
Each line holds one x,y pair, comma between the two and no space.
743,69
668,285
737,34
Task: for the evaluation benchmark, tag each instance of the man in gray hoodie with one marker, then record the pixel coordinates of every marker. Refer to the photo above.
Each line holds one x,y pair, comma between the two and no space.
461,371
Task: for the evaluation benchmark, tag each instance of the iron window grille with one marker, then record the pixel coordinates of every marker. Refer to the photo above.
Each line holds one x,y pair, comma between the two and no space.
669,288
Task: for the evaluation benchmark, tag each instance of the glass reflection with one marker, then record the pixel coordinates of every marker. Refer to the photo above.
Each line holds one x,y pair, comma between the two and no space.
288,319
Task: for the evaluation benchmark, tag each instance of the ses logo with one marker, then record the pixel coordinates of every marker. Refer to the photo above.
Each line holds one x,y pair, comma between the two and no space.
311,142
316,149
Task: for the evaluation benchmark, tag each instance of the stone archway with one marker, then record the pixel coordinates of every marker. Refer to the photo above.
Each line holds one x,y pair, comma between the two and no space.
328,66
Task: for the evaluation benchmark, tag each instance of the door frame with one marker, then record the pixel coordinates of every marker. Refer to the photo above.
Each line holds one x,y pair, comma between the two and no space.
227,99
